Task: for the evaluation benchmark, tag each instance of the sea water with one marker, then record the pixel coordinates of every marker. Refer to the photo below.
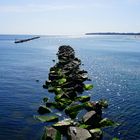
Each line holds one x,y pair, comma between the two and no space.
113,64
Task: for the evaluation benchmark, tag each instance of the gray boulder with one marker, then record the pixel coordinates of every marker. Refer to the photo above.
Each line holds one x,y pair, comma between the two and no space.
51,133
91,118
76,133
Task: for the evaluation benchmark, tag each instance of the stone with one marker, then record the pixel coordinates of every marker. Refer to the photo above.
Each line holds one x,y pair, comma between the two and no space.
107,122
63,125
45,99
103,103
82,98
88,86
74,108
76,133
51,133
96,133
47,118
43,109
91,118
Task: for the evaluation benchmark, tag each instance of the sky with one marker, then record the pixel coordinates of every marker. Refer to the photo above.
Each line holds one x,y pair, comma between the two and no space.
68,17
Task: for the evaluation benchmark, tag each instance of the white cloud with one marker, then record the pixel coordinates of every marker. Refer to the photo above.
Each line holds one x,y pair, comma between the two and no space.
34,8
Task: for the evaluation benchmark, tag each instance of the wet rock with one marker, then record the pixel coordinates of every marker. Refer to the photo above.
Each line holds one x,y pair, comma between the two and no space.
91,118
51,133
47,118
85,126
107,122
45,99
76,133
103,103
51,104
83,98
43,110
96,133
45,86
63,125
88,86
73,110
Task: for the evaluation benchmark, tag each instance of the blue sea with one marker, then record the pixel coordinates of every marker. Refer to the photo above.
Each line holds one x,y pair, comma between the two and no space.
113,64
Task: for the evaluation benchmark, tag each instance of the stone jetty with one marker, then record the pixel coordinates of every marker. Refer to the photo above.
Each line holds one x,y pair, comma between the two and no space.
67,81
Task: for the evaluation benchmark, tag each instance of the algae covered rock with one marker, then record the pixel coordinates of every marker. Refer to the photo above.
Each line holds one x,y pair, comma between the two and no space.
83,98
47,118
107,122
51,133
88,86
96,133
103,103
63,125
43,109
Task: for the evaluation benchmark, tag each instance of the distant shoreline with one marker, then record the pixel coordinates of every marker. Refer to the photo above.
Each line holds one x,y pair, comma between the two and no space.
112,33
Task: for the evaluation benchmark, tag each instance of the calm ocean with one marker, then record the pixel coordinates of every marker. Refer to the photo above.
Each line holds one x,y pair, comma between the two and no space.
113,64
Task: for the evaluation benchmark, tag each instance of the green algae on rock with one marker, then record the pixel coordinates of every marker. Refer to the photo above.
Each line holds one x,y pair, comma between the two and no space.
47,118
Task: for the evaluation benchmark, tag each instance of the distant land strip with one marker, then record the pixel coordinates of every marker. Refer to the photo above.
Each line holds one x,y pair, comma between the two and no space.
111,33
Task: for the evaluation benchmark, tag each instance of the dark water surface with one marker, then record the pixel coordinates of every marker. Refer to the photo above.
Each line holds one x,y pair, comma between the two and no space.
113,63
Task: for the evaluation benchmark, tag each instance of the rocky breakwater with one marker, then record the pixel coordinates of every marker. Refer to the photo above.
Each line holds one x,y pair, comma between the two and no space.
67,81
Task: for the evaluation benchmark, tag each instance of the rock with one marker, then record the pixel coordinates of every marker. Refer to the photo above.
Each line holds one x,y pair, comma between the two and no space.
51,133
45,99
76,133
62,81
91,118
96,133
43,110
45,86
53,76
47,118
107,122
63,125
58,90
51,104
90,105
51,89
66,53
85,126
82,98
88,86
103,103
74,108
79,88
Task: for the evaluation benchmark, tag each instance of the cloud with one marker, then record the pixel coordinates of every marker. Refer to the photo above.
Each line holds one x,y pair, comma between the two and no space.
34,8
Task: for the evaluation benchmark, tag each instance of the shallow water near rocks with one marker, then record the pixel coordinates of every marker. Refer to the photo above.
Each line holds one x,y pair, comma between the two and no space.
112,62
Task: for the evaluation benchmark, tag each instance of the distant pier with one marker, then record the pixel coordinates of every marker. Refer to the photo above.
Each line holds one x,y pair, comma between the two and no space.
25,40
